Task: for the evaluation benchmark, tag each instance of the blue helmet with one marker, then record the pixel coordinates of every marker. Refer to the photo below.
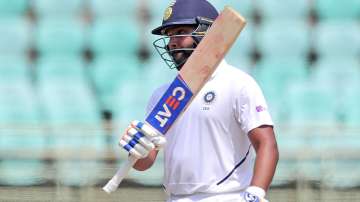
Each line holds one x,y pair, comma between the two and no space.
197,13
186,12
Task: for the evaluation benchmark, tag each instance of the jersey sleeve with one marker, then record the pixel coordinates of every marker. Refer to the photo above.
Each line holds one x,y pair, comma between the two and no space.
155,98
251,110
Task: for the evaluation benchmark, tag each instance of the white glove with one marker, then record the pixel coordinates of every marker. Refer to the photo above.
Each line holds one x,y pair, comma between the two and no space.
254,194
139,139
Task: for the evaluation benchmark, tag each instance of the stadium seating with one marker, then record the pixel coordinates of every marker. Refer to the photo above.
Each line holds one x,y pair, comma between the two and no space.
299,160
22,136
78,173
68,102
286,172
14,8
339,147
71,111
273,10
115,37
155,67
277,73
150,38
114,9
19,104
341,174
12,172
244,63
244,7
283,38
311,105
274,75
342,75
46,9
332,10
313,137
157,9
76,130
14,69
244,45
15,36
109,73
349,105
20,121
60,37
61,69
337,73
129,104
337,39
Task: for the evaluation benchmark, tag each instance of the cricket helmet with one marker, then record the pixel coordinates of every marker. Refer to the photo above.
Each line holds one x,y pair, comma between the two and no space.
186,12
197,13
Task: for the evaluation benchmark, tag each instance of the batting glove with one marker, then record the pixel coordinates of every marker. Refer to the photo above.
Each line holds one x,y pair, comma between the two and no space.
254,194
139,139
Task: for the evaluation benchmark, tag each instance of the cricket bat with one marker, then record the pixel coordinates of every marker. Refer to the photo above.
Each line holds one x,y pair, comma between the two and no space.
193,75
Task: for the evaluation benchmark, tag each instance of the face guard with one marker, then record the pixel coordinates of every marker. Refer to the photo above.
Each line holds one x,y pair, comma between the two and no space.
169,56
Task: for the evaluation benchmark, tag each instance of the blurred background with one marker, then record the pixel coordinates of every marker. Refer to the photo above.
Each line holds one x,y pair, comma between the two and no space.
73,73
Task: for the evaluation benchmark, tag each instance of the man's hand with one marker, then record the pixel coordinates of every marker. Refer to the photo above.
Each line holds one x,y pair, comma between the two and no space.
254,194
139,139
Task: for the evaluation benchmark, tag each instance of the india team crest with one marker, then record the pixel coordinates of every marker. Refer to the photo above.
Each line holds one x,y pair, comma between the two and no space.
167,13
209,97
169,10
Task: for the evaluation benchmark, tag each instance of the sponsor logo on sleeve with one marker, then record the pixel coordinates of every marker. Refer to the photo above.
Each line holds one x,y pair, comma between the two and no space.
260,108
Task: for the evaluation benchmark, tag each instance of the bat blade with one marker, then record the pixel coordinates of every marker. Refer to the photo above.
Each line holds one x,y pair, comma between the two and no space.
212,49
193,75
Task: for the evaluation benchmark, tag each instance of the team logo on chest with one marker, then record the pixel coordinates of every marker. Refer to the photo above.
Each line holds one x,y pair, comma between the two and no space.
209,97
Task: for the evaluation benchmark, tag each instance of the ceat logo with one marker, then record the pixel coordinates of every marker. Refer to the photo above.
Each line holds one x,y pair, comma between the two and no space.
171,104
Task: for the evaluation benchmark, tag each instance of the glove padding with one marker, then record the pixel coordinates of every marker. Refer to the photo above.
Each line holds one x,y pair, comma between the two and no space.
254,194
248,197
139,139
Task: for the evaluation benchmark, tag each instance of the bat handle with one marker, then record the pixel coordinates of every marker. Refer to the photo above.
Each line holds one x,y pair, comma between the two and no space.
115,181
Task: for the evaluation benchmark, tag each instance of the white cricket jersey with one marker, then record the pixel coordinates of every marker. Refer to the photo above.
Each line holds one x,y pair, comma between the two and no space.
208,149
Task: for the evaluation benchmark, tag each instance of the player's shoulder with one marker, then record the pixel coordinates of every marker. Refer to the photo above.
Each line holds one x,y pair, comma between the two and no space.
156,95
237,75
241,82
159,91
162,88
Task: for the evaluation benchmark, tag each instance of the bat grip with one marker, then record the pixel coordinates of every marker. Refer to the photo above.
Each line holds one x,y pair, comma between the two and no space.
115,181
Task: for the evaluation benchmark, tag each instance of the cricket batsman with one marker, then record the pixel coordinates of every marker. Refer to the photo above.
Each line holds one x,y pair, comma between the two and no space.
223,148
